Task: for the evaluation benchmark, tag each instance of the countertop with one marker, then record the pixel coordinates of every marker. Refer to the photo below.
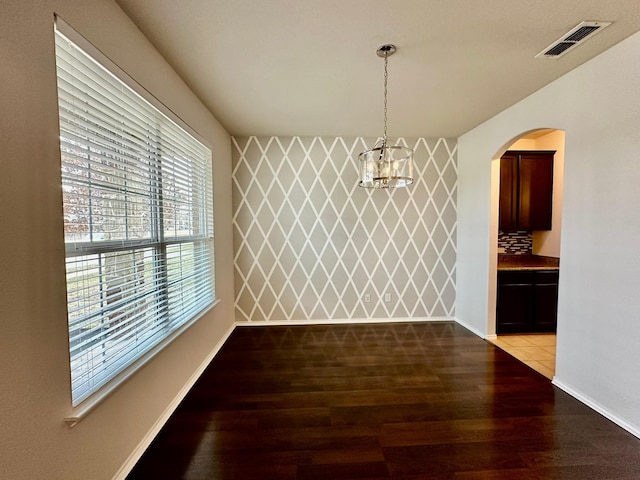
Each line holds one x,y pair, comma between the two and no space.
527,262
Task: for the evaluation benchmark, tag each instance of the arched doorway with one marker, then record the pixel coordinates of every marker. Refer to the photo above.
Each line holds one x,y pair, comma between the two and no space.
536,350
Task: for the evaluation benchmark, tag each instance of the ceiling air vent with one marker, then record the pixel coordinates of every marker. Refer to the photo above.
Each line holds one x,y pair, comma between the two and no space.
571,39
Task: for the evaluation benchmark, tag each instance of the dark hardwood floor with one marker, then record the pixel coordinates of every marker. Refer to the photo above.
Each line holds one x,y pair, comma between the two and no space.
379,401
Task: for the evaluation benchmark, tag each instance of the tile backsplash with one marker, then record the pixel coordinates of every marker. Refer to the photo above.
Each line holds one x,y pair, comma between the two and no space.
518,242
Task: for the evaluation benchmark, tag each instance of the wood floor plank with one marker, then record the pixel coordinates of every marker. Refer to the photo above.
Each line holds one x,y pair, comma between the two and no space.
381,401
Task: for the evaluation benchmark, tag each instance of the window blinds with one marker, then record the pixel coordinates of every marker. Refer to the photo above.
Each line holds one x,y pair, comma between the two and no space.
138,221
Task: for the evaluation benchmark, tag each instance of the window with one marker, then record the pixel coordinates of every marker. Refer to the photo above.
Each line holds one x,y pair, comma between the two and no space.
138,220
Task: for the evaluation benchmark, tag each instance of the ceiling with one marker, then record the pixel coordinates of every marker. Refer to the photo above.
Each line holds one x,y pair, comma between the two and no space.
309,68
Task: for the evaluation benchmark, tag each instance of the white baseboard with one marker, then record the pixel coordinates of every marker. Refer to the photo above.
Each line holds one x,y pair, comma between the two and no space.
343,321
128,465
470,328
605,412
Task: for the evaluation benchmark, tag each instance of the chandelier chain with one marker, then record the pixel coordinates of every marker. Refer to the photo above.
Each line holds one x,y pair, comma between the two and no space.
386,78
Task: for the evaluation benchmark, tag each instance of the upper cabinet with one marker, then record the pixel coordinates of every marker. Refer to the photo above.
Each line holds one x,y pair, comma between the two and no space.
526,190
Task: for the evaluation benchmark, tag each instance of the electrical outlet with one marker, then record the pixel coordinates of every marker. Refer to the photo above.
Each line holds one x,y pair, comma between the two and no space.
367,297
387,297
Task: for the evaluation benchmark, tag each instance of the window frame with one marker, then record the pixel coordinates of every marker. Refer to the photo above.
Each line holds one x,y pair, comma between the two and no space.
159,242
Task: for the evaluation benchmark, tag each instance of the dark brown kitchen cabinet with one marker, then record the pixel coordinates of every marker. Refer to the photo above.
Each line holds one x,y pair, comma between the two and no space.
526,190
545,311
514,302
527,301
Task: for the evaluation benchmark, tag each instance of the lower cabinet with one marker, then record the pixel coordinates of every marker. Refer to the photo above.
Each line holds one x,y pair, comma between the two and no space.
527,301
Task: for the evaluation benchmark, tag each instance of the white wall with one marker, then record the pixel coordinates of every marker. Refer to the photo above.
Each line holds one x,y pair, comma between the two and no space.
35,443
598,106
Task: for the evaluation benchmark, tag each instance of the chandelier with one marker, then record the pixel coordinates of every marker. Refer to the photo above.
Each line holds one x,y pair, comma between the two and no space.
385,165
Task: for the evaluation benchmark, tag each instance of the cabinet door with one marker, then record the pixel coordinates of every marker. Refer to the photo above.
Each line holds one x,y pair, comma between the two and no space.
536,190
514,313
546,301
508,212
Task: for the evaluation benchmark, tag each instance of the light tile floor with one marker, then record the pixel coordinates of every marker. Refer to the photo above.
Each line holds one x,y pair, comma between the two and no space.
537,351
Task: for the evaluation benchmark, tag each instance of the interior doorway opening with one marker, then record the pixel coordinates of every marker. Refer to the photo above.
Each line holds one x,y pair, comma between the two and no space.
537,250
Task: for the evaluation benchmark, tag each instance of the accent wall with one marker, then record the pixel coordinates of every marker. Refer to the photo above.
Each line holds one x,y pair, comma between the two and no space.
309,244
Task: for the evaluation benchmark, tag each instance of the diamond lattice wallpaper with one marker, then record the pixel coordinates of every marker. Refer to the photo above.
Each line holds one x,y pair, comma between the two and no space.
310,244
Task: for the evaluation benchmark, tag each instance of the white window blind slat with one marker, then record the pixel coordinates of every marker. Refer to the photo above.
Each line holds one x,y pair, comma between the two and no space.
138,221
75,103
100,91
83,101
99,137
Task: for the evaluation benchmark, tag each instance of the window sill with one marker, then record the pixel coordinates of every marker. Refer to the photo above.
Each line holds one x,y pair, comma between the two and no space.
79,412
